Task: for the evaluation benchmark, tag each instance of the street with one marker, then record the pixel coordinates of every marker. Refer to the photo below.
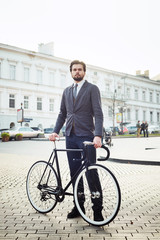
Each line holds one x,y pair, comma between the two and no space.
138,218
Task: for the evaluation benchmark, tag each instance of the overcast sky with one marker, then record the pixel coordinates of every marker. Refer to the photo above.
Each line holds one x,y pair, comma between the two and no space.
120,35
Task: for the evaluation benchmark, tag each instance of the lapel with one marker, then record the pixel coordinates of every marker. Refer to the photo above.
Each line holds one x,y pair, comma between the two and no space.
81,90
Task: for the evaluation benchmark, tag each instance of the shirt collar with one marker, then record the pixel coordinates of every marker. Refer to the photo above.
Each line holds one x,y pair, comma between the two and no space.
80,83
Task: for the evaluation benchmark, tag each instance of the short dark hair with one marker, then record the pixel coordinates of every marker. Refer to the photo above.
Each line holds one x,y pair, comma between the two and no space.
78,62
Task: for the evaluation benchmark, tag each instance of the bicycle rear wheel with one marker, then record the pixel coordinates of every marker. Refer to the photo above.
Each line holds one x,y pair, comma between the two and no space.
41,183
101,192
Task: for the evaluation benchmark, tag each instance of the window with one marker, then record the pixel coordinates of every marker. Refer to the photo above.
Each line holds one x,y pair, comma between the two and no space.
106,87
51,78
136,113
143,95
39,103
26,74
0,69
51,105
26,102
11,100
151,97
158,117
151,116
110,111
39,76
144,115
119,90
128,93
12,72
157,98
136,94
63,79
128,113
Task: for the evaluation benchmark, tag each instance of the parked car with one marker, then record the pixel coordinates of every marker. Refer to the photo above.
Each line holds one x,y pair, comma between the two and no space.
48,131
27,132
153,129
132,129
37,129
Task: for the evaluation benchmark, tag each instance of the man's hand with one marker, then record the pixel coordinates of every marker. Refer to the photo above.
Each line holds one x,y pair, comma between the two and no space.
53,137
97,142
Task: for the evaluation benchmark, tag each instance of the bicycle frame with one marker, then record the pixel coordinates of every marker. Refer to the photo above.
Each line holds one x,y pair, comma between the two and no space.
55,159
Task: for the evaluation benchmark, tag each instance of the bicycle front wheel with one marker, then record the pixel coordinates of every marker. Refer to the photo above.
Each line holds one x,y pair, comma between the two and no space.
97,191
41,185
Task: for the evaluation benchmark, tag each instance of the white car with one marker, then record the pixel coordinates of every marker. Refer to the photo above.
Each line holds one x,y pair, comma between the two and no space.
27,132
153,129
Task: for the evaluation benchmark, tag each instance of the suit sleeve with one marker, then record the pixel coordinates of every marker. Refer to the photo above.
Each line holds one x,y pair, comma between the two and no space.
61,116
97,110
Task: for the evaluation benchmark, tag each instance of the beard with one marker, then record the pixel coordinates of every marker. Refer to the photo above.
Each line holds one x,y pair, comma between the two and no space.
78,78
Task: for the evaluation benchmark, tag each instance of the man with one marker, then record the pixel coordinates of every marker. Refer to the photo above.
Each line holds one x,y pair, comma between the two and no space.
81,109
146,128
143,128
138,128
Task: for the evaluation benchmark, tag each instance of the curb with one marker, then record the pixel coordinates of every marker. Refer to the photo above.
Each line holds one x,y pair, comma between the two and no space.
141,162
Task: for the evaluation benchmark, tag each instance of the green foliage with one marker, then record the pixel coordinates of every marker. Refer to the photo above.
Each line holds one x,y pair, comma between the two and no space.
19,136
4,134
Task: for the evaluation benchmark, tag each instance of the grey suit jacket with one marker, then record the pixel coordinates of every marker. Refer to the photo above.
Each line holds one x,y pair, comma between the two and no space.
85,113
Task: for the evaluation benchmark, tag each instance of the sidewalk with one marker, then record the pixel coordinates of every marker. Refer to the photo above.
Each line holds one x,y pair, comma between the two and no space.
136,150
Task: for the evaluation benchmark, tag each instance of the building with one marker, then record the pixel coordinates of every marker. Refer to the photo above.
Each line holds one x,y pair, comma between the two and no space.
35,81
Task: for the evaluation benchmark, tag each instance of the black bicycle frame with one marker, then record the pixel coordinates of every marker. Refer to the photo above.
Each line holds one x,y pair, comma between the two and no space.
55,159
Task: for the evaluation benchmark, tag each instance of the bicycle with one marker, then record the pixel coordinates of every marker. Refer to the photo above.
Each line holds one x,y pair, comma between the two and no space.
98,185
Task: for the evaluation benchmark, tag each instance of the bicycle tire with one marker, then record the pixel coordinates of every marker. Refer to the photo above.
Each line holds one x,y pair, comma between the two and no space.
110,191
40,196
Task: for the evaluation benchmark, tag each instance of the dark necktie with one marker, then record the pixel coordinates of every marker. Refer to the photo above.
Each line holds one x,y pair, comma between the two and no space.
75,91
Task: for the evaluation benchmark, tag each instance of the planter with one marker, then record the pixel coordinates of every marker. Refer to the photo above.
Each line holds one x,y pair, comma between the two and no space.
5,137
18,137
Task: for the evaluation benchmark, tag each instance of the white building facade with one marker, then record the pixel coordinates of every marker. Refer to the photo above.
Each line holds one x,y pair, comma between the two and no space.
36,80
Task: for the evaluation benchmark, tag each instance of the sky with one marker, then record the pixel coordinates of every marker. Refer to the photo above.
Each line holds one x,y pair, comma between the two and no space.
119,35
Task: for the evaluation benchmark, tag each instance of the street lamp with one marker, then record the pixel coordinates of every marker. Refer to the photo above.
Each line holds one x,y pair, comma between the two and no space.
122,109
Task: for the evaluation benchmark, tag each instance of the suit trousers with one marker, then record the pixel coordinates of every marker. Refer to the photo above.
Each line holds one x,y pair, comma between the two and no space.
76,142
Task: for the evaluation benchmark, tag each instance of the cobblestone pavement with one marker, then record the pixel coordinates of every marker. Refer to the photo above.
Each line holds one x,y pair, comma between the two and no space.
138,218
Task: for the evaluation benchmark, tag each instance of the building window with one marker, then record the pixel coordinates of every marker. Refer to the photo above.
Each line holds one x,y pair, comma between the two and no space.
26,102
151,97
151,116
26,74
157,98
51,79
110,111
128,93
136,115
11,100
63,79
128,114
106,87
136,94
143,95
39,103
12,72
39,76
119,90
158,117
51,105
144,115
